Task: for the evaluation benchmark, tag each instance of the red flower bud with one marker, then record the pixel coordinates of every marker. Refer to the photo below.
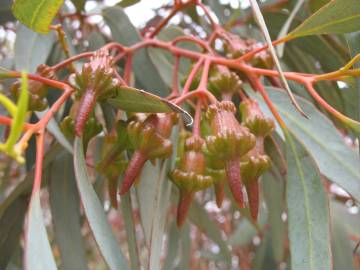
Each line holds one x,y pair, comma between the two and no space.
149,139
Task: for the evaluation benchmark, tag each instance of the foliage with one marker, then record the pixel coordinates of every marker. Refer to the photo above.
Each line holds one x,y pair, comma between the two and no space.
181,142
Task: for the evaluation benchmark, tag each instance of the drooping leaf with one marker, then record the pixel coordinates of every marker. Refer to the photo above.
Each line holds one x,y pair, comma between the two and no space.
153,198
65,211
199,217
264,257
273,193
127,211
338,16
335,159
11,226
341,245
261,22
38,254
36,14
95,214
308,210
31,49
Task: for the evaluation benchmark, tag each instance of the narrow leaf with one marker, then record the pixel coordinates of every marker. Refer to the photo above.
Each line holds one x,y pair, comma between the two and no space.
260,19
335,159
31,49
127,211
95,214
11,226
36,14
337,16
134,100
308,211
65,211
38,253
199,217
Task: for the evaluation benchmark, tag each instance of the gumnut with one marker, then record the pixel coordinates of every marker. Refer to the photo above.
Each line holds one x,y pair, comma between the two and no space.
190,175
223,82
254,119
37,90
113,162
251,170
149,138
94,83
236,47
228,143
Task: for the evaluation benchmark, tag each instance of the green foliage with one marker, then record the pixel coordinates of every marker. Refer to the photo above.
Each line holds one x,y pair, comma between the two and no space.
308,199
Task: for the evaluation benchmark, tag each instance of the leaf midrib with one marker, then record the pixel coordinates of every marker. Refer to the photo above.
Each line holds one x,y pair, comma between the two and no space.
306,202
316,140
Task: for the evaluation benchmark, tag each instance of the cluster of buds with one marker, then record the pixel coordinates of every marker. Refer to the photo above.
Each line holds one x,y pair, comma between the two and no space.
190,175
256,162
223,83
228,142
94,83
236,47
149,139
37,90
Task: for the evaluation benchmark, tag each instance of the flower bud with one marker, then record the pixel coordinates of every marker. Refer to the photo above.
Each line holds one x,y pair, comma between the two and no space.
149,138
37,90
189,176
254,119
228,143
94,83
223,82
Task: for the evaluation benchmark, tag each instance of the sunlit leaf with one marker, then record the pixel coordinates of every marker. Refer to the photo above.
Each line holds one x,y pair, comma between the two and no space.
36,14
338,16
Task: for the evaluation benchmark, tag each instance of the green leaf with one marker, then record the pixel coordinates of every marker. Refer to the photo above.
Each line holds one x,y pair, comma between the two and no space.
18,122
36,14
38,254
341,245
338,16
127,211
314,5
65,211
127,3
95,214
308,210
134,100
31,49
273,193
200,218
11,226
153,198
264,257
335,159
